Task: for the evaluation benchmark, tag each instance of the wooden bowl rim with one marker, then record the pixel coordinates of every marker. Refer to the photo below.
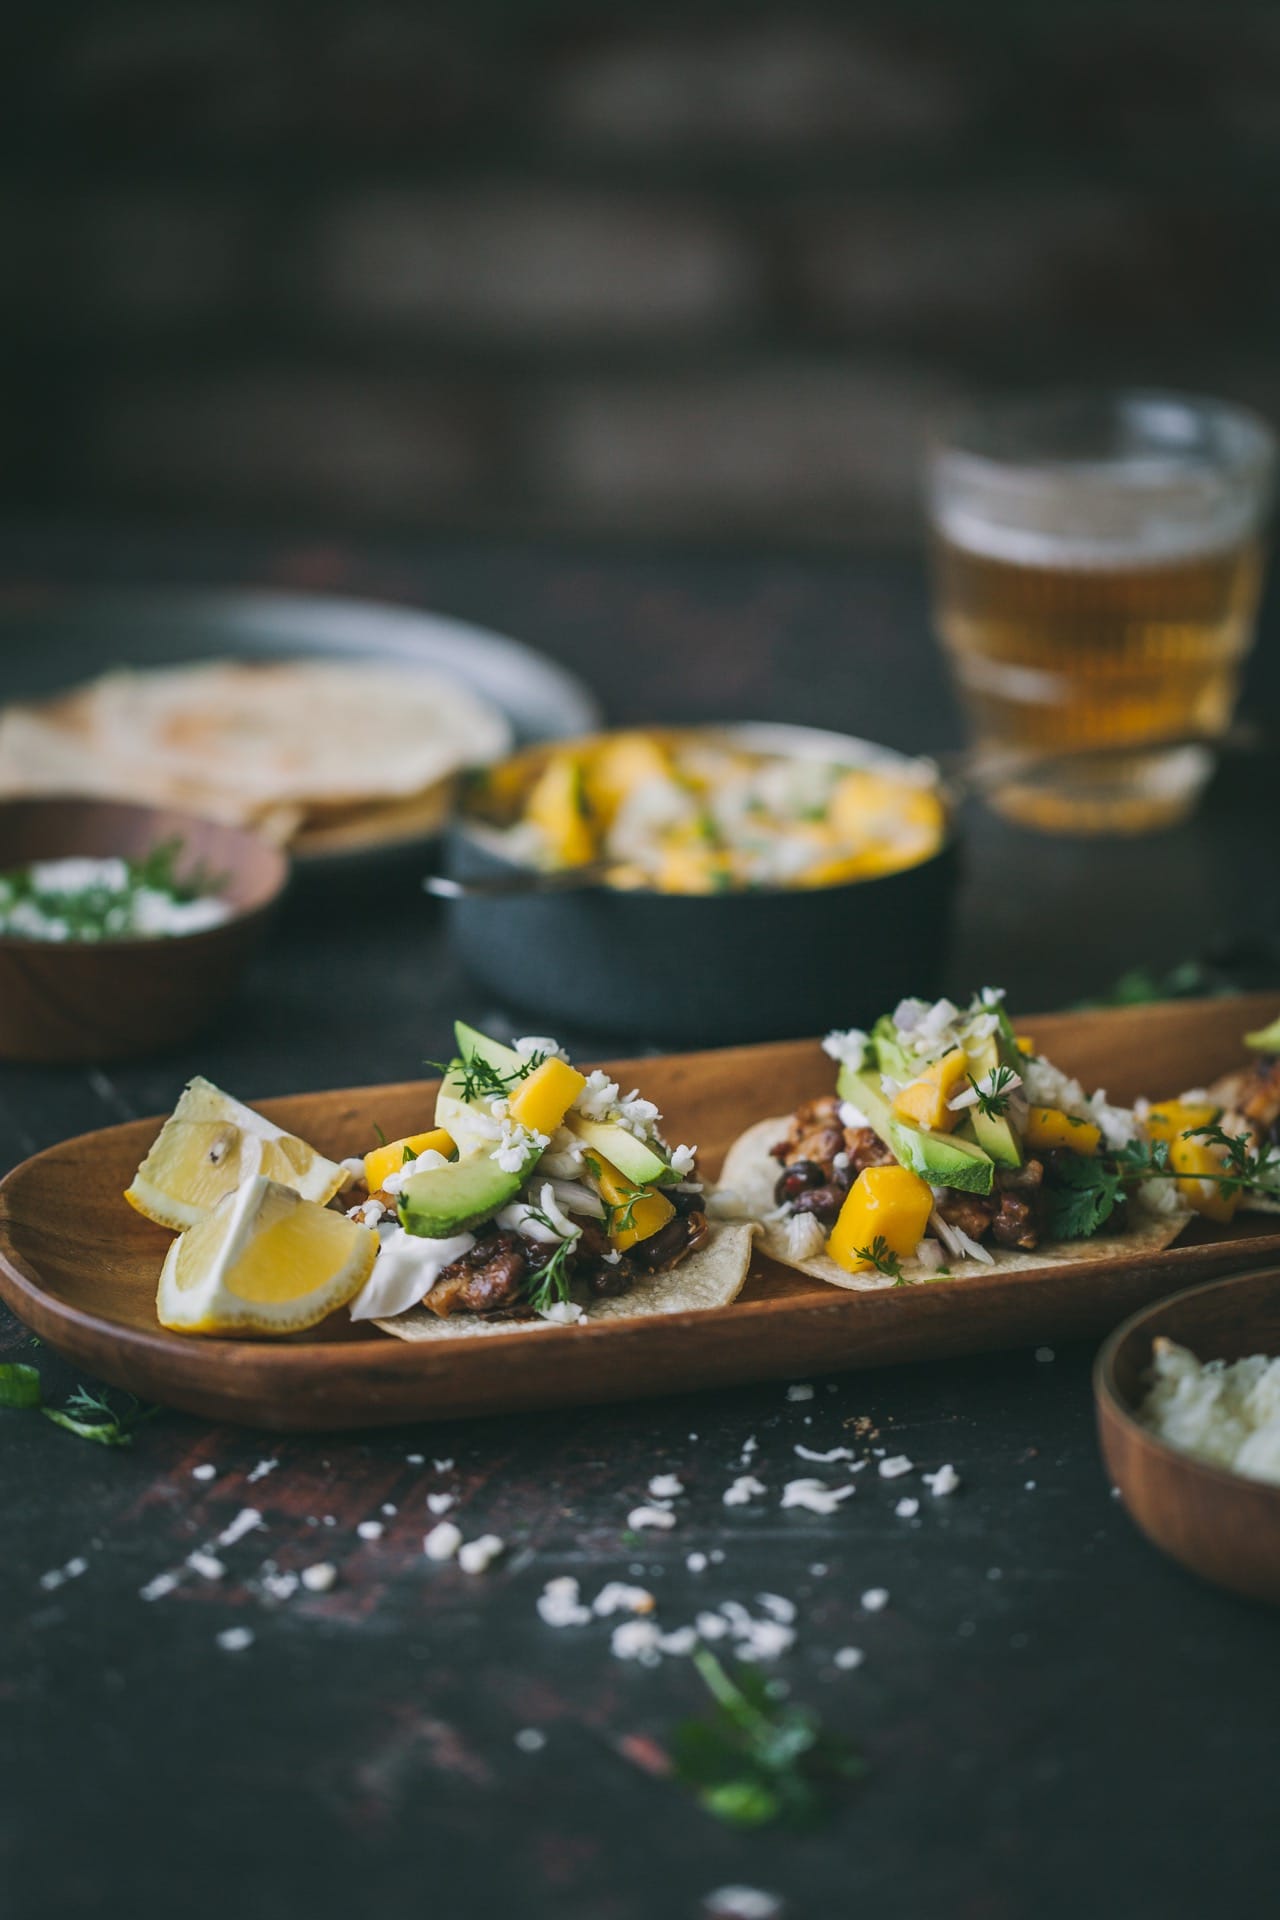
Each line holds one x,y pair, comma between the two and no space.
239,839
1112,1403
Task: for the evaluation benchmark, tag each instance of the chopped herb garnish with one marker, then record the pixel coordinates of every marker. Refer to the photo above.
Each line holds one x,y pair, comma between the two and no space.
548,1286
87,1414
1245,1165
881,1256
756,1762
480,1079
995,1091
110,898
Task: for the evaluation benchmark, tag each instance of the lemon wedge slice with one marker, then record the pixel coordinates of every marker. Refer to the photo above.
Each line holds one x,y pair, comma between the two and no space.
212,1144
263,1260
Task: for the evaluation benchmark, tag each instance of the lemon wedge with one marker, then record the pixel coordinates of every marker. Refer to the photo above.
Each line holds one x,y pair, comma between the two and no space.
212,1144
263,1260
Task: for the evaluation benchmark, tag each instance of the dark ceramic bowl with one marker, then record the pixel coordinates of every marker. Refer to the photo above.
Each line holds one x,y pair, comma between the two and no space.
63,1002
710,969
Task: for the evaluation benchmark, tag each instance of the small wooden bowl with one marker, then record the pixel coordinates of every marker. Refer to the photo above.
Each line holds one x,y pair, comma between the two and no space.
1220,1525
115,999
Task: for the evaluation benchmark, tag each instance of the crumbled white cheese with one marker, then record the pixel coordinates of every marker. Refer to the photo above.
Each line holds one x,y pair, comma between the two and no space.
896,1465
636,1115
683,1160
439,1502
815,1495
235,1639
1044,1355
847,1046
531,1740
659,1517
666,1486
158,1587
319,1577
279,1586
207,1565
1227,1413
205,1471
617,1597
799,1390
764,1640
746,1487
598,1098
443,1541
260,1472
562,1313
371,1529
245,1521
875,1599
443,1466
823,1459
778,1607
353,1167
531,1043
741,1903
907,1509
944,1481
560,1603
636,1640
696,1562
847,1658
477,1556
516,1145
711,1626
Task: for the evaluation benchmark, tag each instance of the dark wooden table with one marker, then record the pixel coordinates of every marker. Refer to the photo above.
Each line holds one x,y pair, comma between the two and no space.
1057,1721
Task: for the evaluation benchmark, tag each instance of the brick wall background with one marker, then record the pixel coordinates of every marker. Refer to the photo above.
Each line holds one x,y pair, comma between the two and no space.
705,269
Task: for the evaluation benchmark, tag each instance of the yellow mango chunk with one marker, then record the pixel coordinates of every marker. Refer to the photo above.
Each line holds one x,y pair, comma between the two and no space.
1025,1044
557,807
694,869
382,1161
1200,1162
924,1102
1175,1117
543,1099
644,1209
865,805
620,764
884,1203
1049,1127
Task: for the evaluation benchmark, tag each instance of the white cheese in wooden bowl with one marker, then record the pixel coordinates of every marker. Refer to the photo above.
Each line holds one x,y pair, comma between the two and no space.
1225,1412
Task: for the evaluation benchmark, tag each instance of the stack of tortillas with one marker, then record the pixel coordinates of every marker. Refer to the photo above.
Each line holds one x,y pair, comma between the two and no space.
315,754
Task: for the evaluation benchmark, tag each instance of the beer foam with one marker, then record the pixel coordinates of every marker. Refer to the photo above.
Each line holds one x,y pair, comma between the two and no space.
1139,535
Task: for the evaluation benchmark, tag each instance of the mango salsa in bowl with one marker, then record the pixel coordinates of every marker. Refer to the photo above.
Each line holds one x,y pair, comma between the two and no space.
743,882
702,811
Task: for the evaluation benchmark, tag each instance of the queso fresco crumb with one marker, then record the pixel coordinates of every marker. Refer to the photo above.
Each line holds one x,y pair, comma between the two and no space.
108,899
1227,1413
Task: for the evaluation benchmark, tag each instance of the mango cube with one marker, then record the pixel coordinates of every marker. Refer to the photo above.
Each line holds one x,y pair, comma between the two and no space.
1172,1118
1201,1162
643,1208
886,1203
621,763
1049,1127
924,1102
389,1159
542,1100
557,806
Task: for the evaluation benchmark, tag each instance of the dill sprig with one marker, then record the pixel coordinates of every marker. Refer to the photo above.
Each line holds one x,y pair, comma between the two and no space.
87,1414
548,1285
479,1079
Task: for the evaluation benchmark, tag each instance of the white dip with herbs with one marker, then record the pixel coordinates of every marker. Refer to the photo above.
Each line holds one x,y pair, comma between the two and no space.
1227,1413
83,898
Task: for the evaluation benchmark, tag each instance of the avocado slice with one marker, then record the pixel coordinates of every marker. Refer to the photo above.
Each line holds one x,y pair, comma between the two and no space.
940,1158
1266,1039
992,1130
890,1053
630,1156
446,1200
453,1111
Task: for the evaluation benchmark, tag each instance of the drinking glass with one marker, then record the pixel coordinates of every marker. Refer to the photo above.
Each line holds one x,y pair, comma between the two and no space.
1097,561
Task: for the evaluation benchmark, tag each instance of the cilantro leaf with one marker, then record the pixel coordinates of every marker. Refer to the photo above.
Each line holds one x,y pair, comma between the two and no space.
1080,1198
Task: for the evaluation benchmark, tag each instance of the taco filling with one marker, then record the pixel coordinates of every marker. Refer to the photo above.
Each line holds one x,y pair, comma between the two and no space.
950,1142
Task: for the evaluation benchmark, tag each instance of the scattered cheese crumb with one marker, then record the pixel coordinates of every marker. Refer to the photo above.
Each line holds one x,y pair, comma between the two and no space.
778,1607
205,1471
764,1640
823,1459
560,1605
415,1459
945,1480
279,1586
1028,1486
245,1521
696,1562
439,1502
235,1639
659,1517
260,1472
875,1599
816,1495
666,1486
1044,1354
847,1658
442,1466
531,1740
636,1640
895,1466
164,1583
371,1529
388,1509
800,1391
711,1626
207,1565
616,1597
744,1488
741,1903
320,1577
907,1509
681,1640
477,1556
443,1541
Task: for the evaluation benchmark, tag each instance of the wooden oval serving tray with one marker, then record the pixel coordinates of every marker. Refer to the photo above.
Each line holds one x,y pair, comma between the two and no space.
80,1267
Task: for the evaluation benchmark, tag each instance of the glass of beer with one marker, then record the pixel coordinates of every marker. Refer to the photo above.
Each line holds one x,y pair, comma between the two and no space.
1097,562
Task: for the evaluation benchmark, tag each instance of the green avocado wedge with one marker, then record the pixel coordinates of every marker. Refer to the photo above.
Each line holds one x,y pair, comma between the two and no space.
992,1131
1266,1039
940,1158
442,1201
633,1158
